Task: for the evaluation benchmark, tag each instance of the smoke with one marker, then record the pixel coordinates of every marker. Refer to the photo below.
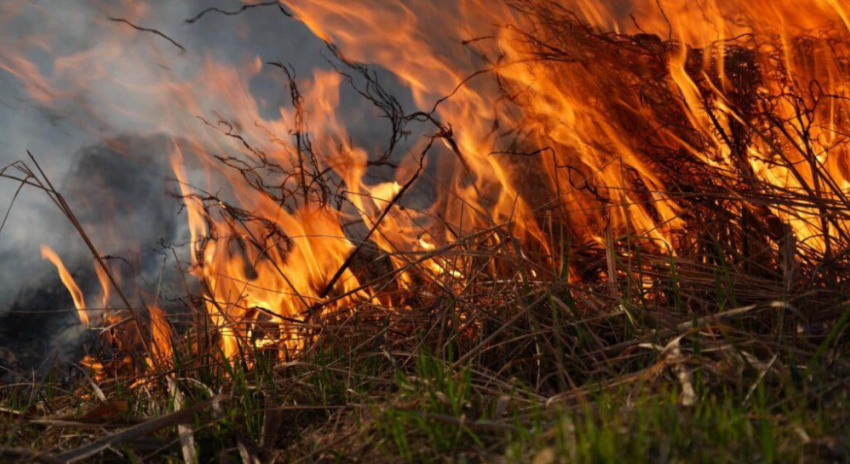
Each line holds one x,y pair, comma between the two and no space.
85,110
119,191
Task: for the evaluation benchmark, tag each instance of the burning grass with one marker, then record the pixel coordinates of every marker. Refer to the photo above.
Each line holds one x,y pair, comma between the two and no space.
640,254
555,371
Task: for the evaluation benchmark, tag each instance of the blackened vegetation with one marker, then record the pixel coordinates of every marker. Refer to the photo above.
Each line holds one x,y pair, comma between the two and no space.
249,6
152,31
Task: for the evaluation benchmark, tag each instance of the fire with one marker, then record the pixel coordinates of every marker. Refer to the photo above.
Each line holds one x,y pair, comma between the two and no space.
67,280
569,107
522,133
161,345
247,276
105,285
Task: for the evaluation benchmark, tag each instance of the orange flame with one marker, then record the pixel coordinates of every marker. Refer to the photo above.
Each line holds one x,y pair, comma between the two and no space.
578,113
160,337
77,294
105,285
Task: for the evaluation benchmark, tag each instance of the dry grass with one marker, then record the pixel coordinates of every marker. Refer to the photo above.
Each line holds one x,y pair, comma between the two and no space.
731,349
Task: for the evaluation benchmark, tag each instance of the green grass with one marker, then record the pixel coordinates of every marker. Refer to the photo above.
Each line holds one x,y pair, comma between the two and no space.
542,377
783,422
621,427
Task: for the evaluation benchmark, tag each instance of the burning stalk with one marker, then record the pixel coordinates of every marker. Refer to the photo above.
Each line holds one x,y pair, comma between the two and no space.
375,225
60,202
